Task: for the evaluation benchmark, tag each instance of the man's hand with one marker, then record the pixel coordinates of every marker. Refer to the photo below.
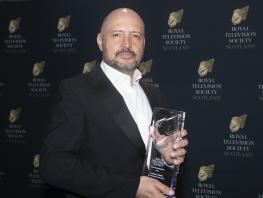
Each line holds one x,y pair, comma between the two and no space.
172,148
152,188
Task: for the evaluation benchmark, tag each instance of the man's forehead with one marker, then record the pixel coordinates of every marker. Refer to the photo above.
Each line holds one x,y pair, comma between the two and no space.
116,18
124,12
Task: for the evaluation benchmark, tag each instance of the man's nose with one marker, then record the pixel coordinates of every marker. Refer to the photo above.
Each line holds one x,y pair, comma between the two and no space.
126,41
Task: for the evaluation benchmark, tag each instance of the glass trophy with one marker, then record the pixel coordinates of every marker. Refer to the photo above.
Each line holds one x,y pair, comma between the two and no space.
166,130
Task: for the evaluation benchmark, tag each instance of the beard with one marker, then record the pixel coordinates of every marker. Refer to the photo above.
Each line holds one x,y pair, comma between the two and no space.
126,68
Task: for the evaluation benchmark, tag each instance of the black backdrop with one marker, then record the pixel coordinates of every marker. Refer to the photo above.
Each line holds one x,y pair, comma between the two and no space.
233,88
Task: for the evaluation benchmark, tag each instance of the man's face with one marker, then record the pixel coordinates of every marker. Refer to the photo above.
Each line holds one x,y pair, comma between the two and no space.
122,42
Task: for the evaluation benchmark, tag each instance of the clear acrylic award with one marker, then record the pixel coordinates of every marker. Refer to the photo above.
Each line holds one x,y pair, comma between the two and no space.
167,124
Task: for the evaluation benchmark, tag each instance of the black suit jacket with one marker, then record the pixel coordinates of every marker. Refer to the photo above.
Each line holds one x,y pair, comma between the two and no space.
94,148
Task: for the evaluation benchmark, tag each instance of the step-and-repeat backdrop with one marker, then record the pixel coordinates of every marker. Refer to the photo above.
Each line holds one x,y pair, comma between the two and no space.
206,56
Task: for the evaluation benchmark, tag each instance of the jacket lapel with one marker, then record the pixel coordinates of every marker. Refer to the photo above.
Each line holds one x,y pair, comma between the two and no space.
116,107
154,95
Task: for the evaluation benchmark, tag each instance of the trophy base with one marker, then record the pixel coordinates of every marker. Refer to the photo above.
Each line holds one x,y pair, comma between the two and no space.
156,167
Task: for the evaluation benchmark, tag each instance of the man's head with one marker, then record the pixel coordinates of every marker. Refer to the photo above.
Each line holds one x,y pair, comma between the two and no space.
122,40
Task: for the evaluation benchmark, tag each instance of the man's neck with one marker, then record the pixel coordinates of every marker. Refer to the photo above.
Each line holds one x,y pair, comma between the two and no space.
122,70
133,76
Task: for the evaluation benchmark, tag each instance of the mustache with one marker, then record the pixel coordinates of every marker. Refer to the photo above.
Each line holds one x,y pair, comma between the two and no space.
125,51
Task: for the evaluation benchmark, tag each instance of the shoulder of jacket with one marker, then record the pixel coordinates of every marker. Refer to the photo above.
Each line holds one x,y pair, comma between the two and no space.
75,81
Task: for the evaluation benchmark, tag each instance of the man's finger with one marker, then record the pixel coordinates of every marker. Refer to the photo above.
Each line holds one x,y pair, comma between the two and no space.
178,160
178,153
164,189
180,144
184,133
151,129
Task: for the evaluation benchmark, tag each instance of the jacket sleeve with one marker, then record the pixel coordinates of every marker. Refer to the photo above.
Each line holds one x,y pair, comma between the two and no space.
61,165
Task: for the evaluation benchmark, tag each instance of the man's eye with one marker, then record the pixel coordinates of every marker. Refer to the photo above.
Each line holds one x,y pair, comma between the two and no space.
116,34
137,36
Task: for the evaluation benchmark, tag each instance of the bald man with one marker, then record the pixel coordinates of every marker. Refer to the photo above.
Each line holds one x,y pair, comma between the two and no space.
100,126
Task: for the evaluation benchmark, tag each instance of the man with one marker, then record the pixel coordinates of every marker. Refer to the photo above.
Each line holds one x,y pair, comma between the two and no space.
100,126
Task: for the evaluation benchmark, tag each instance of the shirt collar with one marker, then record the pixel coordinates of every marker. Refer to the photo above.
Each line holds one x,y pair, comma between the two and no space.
116,76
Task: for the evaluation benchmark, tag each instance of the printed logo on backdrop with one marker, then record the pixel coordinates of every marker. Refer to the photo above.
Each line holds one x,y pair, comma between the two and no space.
88,66
145,68
260,92
241,35
15,132
64,41
175,36
14,0
39,85
2,175
205,186
34,175
238,143
15,42
1,88
206,87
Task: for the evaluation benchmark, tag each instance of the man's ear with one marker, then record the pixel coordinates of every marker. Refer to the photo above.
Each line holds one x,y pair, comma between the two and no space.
99,40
